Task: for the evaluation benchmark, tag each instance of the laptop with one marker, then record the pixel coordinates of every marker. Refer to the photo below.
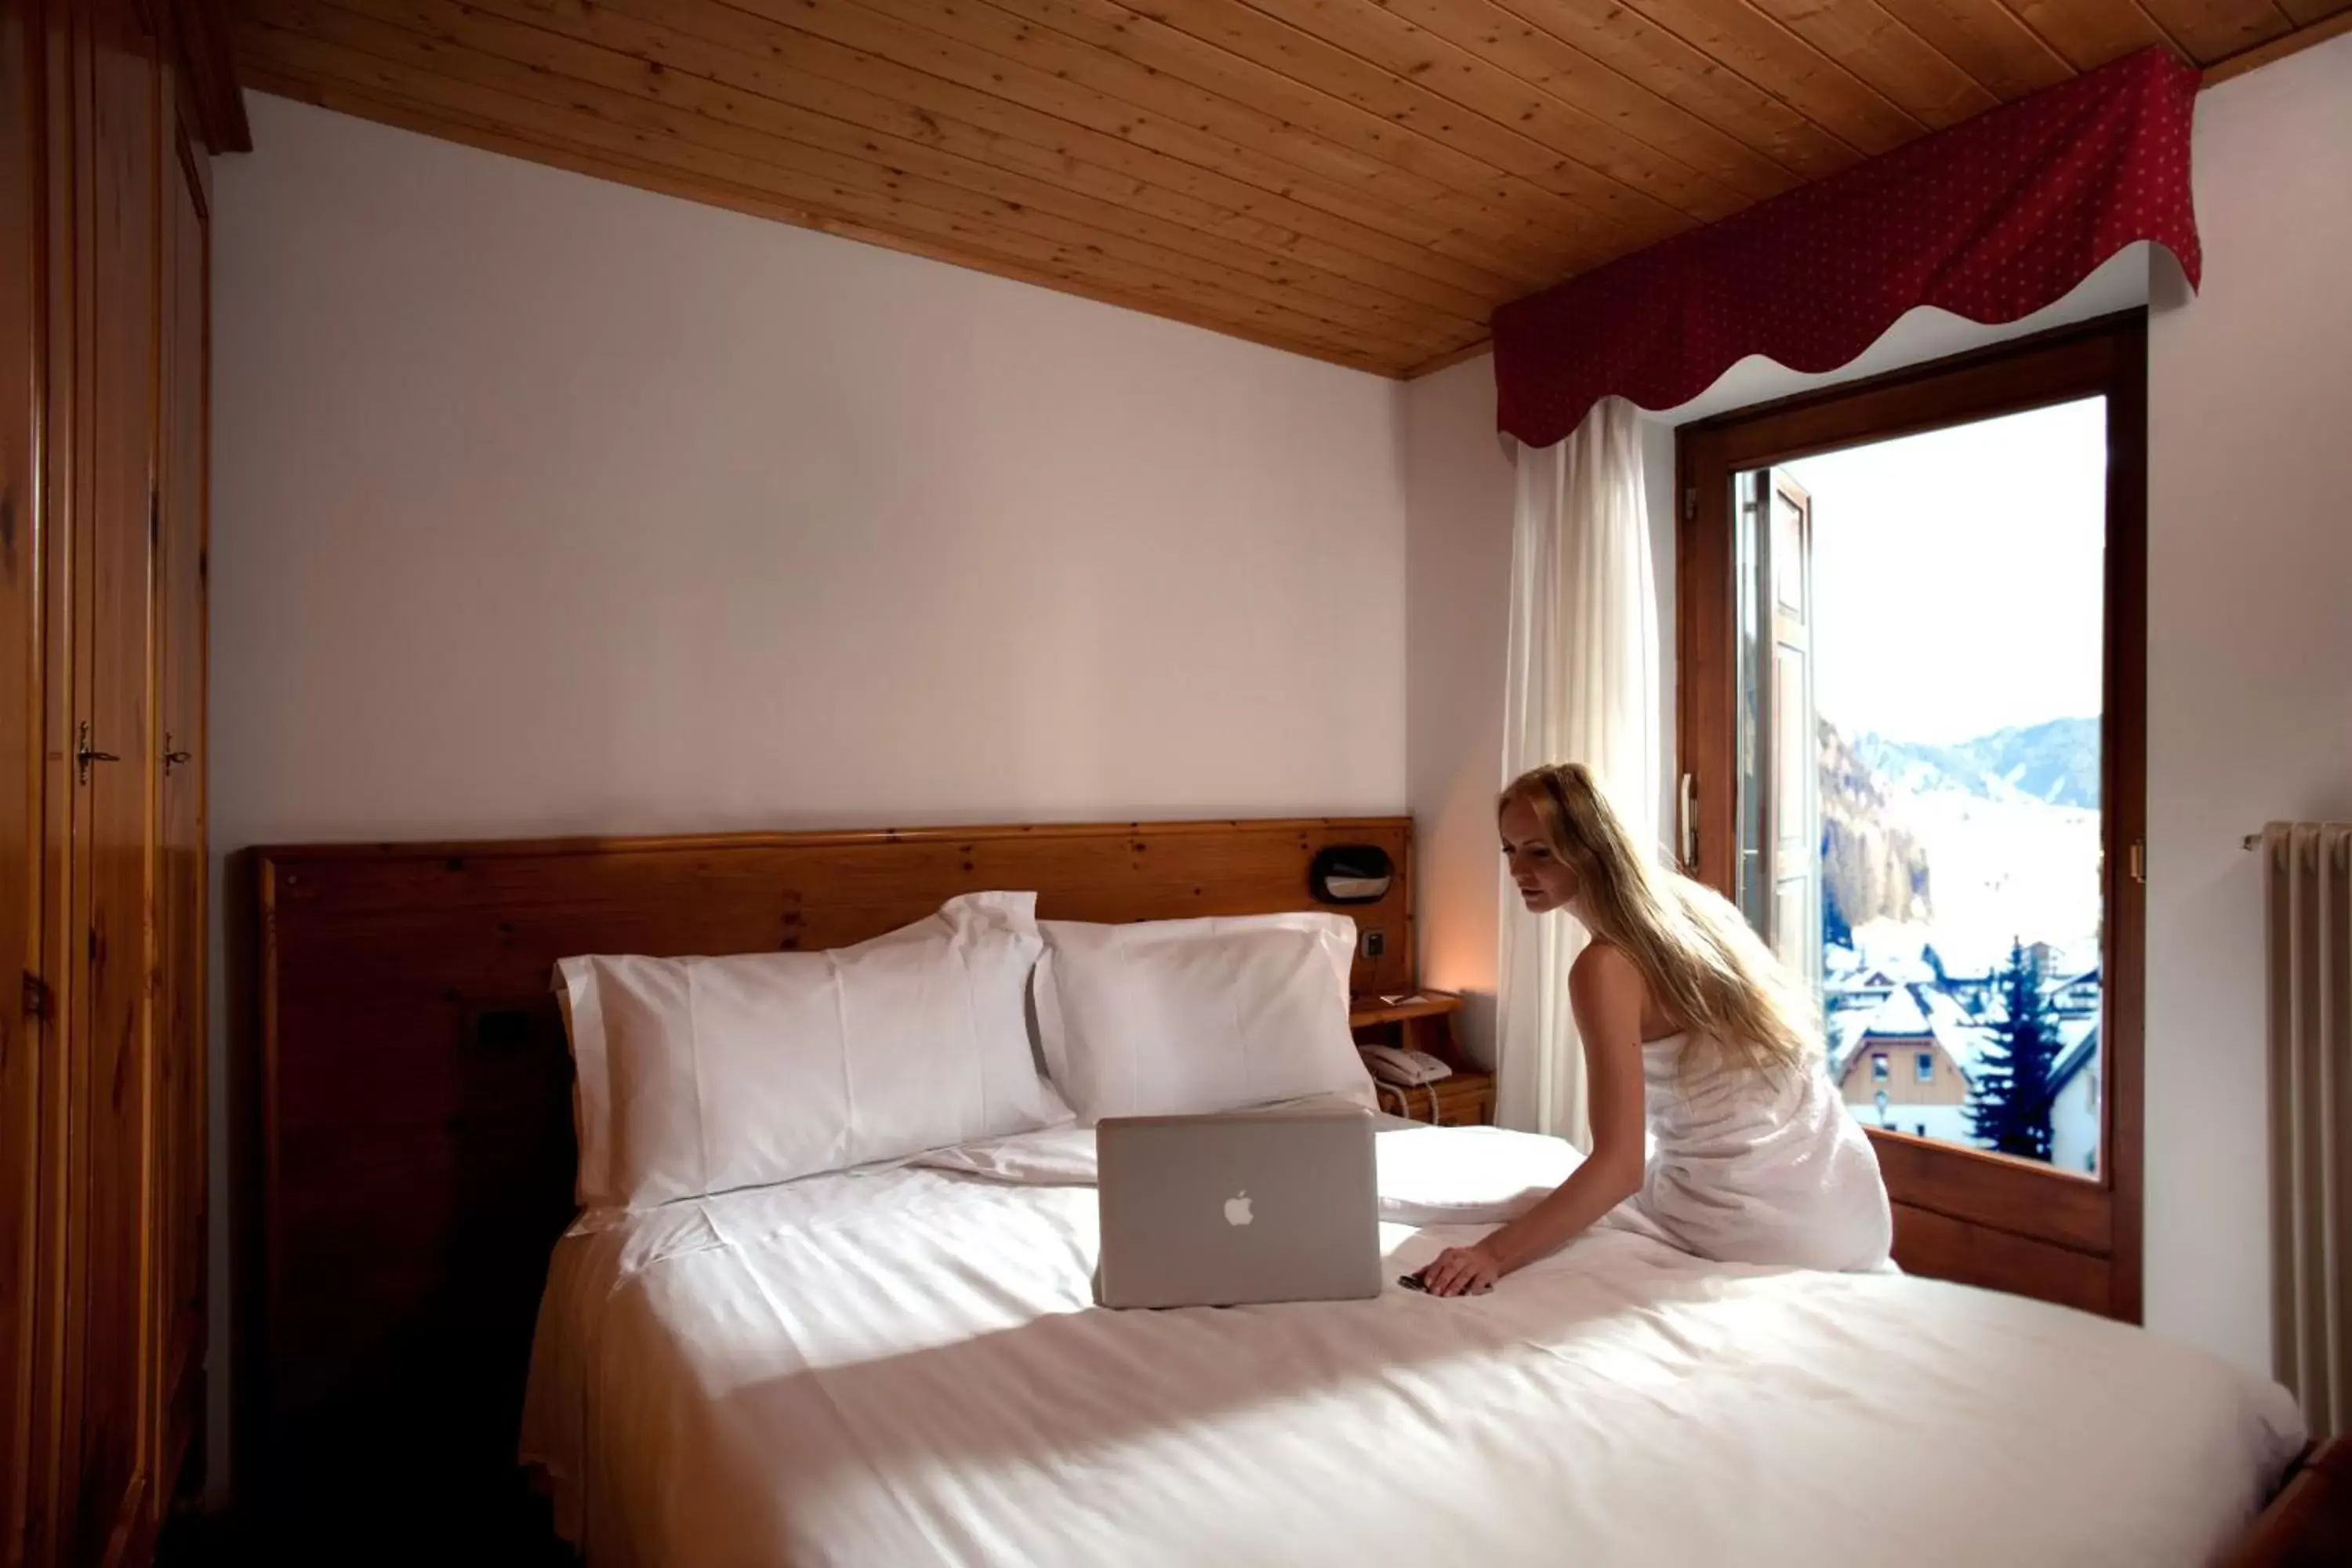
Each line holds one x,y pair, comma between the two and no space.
1279,1204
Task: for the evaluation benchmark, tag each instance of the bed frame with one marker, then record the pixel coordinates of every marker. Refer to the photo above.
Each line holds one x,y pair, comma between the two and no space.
2309,1523
402,1112
403,1109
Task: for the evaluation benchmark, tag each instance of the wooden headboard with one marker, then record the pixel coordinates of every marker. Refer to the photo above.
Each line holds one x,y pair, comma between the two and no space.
407,1145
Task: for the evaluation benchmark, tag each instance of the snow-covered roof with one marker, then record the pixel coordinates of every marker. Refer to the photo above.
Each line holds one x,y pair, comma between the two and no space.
2058,991
1962,1037
2079,1045
1893,954
1899,1016
1911,1013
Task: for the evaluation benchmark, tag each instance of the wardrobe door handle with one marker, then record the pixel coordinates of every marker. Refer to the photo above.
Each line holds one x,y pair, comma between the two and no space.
85,753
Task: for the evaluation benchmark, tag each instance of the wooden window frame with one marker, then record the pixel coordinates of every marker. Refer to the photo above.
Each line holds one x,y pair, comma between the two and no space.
1962,1213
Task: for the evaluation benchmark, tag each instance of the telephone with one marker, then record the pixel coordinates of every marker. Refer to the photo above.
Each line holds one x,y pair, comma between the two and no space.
1410,1070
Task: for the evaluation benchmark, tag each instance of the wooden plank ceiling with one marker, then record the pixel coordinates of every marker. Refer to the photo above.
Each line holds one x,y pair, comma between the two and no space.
1359,180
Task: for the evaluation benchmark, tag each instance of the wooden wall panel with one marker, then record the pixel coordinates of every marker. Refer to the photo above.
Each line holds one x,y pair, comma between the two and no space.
1362,183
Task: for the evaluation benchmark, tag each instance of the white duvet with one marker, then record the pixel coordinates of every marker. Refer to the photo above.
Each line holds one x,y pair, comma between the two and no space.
906,1367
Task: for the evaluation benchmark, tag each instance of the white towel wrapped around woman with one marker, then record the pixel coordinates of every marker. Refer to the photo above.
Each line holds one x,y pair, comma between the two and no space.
1714,1125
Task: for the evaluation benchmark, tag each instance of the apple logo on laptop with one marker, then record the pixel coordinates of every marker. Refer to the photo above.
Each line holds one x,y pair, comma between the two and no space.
1237,1208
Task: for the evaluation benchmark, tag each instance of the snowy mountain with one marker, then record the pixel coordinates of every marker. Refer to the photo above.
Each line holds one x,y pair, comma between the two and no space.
2056,763
1872,868
1966,849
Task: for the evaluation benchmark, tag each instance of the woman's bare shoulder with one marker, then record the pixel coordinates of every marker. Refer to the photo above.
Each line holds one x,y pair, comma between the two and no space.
1605,972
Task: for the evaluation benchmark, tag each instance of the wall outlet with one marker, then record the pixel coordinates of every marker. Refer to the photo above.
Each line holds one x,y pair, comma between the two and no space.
1374,943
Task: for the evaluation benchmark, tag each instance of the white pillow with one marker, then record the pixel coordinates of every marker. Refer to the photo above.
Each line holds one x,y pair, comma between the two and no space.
1178,1017
702,1075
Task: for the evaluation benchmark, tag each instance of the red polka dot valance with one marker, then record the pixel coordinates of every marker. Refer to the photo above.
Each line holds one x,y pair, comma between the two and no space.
1991,220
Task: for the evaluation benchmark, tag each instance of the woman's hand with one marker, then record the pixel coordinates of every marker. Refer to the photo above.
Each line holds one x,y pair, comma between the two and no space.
1462,1271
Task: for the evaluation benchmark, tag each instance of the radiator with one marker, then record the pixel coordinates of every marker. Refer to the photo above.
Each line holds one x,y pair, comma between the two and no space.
2307,924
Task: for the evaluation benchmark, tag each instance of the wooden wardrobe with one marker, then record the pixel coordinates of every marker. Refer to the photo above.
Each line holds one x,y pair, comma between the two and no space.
109,112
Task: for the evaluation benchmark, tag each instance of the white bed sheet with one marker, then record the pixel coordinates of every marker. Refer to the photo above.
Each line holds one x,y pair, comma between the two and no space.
905,1366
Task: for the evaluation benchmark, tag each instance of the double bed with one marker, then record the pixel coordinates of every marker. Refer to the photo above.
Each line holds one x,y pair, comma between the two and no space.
903,1362
905,1365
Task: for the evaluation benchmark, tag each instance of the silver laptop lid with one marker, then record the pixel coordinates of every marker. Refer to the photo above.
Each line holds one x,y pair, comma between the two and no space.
1278,1205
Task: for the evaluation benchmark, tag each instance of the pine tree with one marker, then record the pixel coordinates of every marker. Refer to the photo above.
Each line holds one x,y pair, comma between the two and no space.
1836,929
2009,1109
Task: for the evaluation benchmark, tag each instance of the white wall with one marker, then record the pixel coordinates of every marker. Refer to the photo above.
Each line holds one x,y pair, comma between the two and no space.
2250,654
545,505
1458,484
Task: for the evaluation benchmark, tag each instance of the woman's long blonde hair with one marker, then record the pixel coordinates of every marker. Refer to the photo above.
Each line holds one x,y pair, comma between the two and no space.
1703,963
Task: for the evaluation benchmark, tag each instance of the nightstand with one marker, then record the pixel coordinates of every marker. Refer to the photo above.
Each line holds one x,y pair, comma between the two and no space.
1423,1021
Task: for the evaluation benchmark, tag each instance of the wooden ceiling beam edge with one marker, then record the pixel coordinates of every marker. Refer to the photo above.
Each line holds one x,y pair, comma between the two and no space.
1776,61
1374,40
1449,359
1259,138
1404,235
2309,13
2208,32
2279,48
387,110
1284,282
744,158
201,30
1299,232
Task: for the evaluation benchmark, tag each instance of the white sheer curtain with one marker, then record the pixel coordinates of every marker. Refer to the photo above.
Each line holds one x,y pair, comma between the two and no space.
1580,686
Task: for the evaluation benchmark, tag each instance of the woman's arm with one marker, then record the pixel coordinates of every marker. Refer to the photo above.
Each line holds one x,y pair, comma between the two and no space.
1608,995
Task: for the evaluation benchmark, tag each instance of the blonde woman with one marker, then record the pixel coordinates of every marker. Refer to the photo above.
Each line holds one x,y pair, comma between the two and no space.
1691,1025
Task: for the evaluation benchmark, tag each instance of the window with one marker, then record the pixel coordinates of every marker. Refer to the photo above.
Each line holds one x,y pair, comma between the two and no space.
1911,657
1925,655
1920,643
